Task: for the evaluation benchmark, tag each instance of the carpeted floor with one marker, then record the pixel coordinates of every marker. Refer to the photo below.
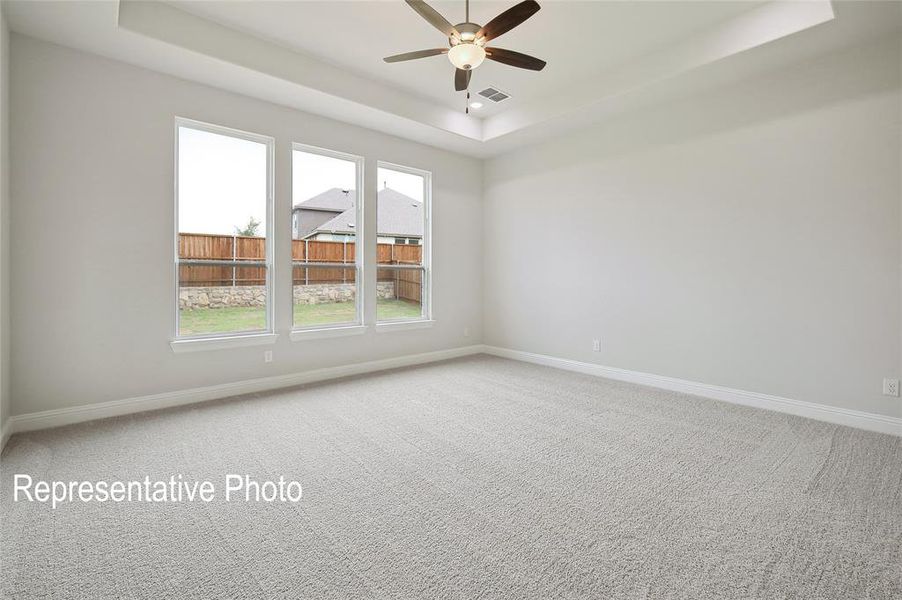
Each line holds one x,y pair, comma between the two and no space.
473,478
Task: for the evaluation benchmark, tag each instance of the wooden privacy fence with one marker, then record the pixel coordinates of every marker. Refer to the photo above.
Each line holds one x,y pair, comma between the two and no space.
197,248
203,256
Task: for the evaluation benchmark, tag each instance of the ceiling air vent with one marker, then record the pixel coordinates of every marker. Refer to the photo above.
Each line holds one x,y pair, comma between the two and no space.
494,94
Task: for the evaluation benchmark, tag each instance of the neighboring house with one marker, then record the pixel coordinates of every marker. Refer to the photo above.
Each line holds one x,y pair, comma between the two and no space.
331,216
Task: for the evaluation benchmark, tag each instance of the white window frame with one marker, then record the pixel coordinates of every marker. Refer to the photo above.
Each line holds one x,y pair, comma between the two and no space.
425,319
217,341
339,329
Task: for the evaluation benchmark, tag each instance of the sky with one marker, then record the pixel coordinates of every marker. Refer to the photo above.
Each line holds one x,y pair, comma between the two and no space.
222,181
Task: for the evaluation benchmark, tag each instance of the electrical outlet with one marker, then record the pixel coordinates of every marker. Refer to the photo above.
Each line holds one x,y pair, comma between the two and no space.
466,332
267,356
596,345
891,387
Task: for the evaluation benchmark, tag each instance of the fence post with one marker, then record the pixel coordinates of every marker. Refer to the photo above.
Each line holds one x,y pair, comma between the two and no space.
397,277
306,259
234,258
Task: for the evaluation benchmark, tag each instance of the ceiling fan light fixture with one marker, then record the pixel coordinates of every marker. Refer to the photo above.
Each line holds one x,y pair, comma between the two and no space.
466,55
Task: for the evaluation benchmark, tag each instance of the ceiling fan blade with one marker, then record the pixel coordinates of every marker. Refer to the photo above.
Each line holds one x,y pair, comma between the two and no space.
508,19
515,59
413,55
462,79
434,18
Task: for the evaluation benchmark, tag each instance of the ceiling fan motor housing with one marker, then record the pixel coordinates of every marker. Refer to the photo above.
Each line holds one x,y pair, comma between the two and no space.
467,33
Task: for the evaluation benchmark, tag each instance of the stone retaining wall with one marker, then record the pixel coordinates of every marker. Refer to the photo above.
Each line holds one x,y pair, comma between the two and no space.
255,295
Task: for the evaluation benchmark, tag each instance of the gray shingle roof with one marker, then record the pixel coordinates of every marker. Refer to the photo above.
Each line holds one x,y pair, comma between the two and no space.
397,214
336,200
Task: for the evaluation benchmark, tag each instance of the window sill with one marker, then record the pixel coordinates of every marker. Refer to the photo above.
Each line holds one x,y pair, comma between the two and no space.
223,343
300,335
403,325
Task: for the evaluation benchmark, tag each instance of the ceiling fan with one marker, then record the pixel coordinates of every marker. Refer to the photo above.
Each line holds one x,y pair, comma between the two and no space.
467,41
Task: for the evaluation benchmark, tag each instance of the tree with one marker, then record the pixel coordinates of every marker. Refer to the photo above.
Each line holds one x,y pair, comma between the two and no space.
250,230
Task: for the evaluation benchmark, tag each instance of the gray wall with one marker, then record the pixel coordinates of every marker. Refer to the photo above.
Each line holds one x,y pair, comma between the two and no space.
4,221
748,238
308,220
92,204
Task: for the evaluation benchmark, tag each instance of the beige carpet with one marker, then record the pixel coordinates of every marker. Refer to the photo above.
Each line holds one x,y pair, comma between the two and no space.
474,478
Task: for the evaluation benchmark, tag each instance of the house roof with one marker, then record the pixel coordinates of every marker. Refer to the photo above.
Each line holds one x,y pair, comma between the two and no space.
335,200
397,215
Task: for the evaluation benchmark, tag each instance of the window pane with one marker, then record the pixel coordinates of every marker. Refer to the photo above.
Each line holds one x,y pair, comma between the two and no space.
209,303
401,222
401,217
399,294
324,296
222,210
324,225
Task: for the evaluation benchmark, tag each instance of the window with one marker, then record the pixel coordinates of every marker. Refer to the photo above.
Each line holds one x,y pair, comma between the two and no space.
403,270
327,210
401,241
224,231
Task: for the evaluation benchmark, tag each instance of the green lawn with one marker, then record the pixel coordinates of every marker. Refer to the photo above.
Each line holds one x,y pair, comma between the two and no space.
239,318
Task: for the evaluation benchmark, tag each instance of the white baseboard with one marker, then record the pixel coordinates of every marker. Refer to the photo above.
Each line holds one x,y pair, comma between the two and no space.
77,414
820,412
5,432
66,416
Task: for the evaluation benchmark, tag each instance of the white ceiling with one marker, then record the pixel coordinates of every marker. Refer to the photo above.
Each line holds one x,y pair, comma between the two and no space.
577,39
326,57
